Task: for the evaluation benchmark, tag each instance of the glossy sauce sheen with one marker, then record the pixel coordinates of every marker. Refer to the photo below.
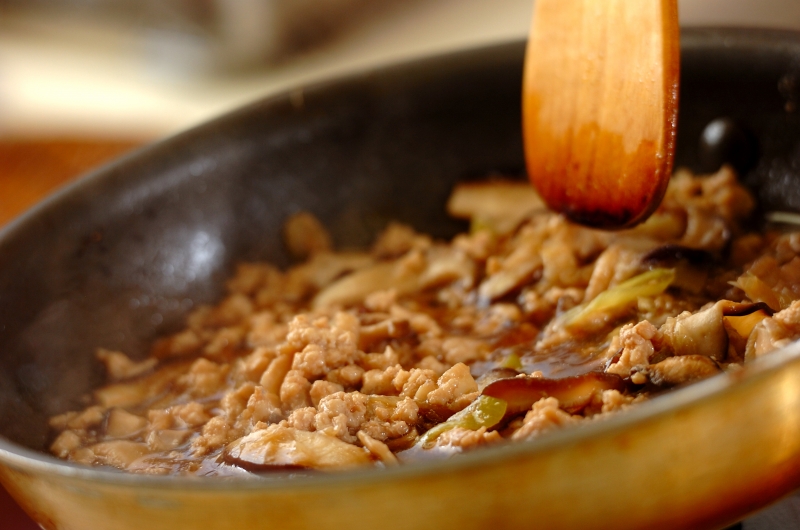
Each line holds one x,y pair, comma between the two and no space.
600,103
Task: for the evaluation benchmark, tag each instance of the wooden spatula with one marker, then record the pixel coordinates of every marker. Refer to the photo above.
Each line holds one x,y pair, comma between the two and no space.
600,102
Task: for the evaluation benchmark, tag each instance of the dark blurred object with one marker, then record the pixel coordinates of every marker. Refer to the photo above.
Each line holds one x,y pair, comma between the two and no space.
762,104
219,34
724,141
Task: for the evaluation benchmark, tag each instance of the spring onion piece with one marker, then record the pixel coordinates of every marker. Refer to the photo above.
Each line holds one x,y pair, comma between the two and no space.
512,361
789,218
485,411
478,224
620,297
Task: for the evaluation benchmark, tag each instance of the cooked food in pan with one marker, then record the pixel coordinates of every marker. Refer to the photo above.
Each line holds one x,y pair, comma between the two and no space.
522,325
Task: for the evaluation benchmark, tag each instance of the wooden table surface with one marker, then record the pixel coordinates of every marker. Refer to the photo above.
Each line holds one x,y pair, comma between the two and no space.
29,170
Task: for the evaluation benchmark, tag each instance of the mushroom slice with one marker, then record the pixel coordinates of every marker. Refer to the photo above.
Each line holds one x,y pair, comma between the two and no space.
167,439
500,205
704,332
354,287
446,265
279,446
739,321
122,424
760,291
684,369
389,328
509,278
118,453
134,391
700,333
378,449
496,374
744,309
573,393
772,333
516,269
325,267
119,366
670,254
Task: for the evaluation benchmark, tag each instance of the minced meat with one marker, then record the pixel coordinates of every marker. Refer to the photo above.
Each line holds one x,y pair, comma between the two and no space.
372,358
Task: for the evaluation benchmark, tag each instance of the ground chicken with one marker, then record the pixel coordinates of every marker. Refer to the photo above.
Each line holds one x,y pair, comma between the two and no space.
375,357
343,414
544,416
467,438
636,342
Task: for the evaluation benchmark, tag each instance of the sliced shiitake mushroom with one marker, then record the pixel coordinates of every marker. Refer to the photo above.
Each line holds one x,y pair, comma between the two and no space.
496,374
573,393
670,254
389,328
684,369
706,333
739,323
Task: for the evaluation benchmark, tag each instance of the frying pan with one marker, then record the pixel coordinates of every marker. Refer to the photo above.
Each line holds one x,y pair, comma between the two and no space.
120,257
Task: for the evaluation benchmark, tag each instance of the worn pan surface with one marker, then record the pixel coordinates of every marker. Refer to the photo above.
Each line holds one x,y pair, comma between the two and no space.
121,256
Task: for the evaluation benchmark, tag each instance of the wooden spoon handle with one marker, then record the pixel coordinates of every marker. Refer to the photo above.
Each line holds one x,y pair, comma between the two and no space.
600,103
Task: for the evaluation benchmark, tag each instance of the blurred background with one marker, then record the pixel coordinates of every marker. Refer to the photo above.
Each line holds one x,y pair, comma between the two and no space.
140,69
82,81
